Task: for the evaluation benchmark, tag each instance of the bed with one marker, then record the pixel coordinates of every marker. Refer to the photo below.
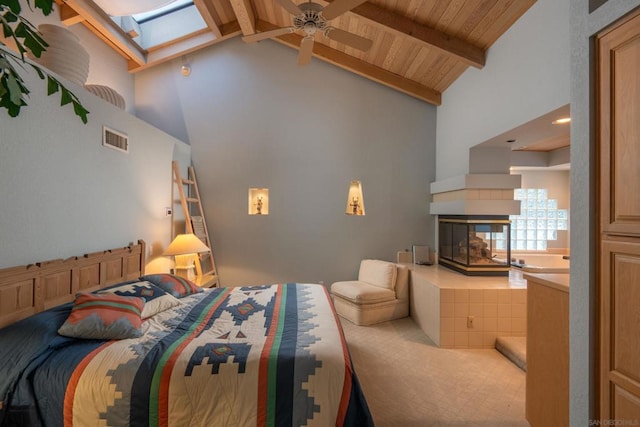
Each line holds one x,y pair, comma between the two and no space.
259,355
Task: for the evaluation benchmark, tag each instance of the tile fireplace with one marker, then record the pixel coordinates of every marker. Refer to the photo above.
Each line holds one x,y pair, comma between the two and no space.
475,245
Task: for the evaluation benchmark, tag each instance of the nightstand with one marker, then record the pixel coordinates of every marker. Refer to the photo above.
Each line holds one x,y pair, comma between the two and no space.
206,281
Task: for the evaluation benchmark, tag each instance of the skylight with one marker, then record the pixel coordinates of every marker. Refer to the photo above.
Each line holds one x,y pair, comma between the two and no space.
165,10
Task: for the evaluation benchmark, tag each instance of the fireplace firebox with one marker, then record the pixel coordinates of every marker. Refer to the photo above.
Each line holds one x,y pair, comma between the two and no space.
475,245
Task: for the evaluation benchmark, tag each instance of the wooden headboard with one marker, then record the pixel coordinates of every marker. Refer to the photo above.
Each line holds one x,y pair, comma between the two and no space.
33,288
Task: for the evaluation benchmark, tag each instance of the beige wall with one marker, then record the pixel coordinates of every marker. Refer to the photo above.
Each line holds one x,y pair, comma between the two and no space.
255,119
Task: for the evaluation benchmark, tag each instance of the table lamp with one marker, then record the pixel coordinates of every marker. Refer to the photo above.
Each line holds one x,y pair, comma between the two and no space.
185,248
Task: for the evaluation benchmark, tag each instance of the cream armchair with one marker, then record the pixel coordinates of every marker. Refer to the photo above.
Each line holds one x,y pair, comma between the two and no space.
381,293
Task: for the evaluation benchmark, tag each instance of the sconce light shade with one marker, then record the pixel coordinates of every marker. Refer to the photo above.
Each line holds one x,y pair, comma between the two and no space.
355,199
258,201
185,247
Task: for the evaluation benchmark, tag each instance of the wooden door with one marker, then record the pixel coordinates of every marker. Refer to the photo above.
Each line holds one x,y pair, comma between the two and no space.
618,127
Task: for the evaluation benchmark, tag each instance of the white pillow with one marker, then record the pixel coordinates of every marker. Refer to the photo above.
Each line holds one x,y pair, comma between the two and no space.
378,273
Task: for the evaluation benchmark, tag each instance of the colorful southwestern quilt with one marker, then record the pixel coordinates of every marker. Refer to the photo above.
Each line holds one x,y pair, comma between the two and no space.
250,356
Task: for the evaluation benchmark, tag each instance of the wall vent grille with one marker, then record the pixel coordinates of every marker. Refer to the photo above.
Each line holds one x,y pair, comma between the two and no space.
114,139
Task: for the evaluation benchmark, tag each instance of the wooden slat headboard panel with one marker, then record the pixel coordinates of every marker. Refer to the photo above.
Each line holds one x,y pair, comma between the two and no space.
29,289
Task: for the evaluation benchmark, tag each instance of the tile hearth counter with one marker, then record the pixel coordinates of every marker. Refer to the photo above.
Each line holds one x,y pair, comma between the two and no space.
458,311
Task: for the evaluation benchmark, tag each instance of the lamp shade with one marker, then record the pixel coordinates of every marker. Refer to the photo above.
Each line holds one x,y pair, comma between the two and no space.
186,244
355,199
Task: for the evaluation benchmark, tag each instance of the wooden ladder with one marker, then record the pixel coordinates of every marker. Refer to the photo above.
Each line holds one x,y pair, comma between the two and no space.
196,224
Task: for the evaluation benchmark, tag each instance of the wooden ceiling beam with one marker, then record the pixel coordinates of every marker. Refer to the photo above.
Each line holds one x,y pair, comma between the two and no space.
245,15
359,67
210,15
68,16
422,34
101,24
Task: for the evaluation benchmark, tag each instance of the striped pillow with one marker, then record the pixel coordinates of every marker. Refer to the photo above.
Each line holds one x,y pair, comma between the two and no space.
104,317
175,285
155,298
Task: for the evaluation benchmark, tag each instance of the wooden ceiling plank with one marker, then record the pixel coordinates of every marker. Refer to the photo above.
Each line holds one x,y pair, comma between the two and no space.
103,26
360,67
245,15
405,27
210,15
506,20
479,34
68,16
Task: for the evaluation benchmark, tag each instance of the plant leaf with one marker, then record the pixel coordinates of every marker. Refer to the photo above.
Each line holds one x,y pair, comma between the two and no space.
34,46
7,31
13,5
15,94
45,5
80,111
52,85
66,96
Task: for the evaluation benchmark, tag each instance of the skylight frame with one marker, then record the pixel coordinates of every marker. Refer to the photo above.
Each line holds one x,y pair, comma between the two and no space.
172,7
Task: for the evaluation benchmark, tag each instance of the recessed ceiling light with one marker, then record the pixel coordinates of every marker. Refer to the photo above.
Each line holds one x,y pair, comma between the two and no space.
561,121
511,141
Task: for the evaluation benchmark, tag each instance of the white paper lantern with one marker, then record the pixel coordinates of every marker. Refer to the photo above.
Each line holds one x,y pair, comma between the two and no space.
108,94
65,55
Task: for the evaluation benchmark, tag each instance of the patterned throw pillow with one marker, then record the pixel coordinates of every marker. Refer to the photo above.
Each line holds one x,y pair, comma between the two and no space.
177,286
156,299
104,317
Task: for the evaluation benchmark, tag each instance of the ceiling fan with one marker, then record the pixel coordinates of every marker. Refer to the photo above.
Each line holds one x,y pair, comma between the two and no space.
311,17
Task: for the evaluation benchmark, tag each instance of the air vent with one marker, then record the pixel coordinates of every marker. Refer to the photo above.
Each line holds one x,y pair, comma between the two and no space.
116,140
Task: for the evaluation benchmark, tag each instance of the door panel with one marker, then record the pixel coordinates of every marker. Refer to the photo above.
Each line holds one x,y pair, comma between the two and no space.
618,180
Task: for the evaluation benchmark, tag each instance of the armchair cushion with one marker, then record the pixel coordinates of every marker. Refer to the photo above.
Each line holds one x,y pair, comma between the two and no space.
378,273
362,293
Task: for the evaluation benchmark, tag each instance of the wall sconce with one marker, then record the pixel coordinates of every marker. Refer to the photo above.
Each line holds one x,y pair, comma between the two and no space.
258,201
355,200
185,247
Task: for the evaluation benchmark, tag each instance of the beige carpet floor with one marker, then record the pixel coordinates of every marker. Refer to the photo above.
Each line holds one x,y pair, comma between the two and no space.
409,381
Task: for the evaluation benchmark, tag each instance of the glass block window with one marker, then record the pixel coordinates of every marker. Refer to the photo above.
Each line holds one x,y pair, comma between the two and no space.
538,222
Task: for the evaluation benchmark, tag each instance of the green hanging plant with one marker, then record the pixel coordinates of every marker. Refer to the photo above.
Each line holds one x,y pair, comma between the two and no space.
13,90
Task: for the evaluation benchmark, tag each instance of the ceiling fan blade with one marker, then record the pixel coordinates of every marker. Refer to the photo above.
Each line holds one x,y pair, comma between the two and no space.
290,7
306,50
338,7
267,34
349,39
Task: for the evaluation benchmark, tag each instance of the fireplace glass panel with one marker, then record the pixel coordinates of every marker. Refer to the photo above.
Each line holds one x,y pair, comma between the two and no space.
470,244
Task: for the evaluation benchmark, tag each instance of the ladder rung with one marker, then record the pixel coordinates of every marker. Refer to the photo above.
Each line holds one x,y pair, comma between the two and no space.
190,180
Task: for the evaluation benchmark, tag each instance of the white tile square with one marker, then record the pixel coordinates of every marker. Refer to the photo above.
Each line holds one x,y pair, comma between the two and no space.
446,325
446,295
461,339
475,339
518,310
504,310
461,309
490,324
475,309
490,296
461,295
504,296
504,325
446,309
475,295
490,310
